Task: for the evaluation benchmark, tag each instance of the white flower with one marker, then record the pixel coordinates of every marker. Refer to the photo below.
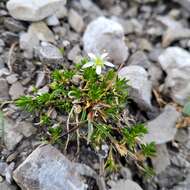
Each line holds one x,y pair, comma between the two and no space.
98,62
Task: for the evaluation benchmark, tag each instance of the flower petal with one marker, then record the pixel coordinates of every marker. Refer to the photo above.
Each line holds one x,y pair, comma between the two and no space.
91,55
98,70
89,64
109,64
104,55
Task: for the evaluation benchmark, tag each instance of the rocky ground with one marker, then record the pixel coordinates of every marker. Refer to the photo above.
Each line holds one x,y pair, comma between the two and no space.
149,40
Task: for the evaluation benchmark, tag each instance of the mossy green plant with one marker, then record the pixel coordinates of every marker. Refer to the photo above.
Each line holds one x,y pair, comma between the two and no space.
93,103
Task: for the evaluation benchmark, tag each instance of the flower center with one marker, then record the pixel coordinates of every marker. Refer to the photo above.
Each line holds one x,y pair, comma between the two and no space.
99,61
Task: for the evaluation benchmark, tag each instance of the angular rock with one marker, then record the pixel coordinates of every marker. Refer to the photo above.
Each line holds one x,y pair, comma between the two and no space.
14,25
163,128
9,133
27,43
76,21
49,54
125,185
61,12
4,89
40,81
177,67
46,168
74,54
162,159
107,35
33,10
17,130
25,128
42,32
140,86
139,58
16,90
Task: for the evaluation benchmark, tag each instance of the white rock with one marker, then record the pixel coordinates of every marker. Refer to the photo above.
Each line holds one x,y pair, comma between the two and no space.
163,128
33,10
140,86
175,62
46,169
107,35
125,185
76,21
52,21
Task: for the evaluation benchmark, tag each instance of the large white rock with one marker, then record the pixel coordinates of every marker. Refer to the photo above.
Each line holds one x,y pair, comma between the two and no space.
47,169
140,86
107,35
175,62
33,10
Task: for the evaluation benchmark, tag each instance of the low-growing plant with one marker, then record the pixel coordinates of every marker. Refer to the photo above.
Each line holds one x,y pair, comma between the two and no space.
93,103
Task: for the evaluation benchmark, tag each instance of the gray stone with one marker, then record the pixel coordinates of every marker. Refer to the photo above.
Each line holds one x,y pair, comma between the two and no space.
177,68
156,74
33,10
163,128
5,186
162,159
139,58
25,128
10,37
4,89
140,86
9,133
16,90
49,54
76,21
27,43
107,35
46,168
125,185
13,25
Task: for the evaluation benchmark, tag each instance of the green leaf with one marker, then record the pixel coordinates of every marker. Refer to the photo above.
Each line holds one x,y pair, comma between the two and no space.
186,109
